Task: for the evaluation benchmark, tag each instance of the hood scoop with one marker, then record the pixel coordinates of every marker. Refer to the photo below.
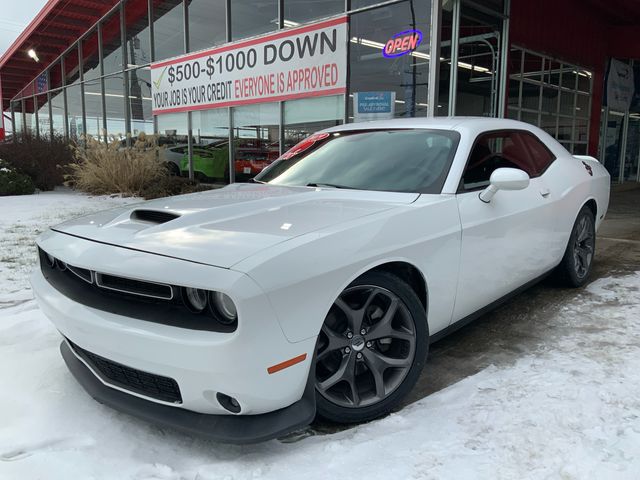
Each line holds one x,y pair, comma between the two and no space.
153,216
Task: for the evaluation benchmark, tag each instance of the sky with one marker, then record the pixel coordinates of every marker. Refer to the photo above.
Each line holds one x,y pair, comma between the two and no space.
15,16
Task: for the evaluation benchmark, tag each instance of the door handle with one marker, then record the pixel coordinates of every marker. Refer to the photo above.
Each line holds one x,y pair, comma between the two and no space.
545,192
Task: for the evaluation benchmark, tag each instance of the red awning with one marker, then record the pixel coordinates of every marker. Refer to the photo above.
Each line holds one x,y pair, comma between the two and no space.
55,28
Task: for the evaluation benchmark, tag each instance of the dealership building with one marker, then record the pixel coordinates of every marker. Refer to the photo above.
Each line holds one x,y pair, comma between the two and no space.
238,82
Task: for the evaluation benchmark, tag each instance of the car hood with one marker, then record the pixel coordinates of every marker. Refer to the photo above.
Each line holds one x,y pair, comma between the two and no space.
222,227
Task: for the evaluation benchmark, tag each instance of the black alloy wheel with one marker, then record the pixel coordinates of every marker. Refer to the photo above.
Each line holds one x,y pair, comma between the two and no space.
576,264
371,349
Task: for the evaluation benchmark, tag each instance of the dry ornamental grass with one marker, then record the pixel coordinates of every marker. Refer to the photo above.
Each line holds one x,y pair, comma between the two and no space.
102,168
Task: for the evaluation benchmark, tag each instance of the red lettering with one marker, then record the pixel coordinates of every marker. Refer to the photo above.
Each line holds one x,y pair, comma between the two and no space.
413,43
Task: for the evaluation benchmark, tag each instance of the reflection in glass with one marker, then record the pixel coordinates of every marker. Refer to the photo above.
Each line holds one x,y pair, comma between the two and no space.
632,155
72,67
255,138
91,57
57,111
301,11
207,23
478,60
75,127
29,116
172,135
139,101
44,122
210,129
138,33
93,108
249,18
112,44
114,101
387,160
168,29
406,75
309,115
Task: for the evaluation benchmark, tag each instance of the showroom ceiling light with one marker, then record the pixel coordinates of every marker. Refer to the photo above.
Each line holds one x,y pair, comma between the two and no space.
32,54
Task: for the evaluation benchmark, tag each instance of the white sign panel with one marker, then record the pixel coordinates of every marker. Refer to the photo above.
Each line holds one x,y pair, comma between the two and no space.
299,62
620,86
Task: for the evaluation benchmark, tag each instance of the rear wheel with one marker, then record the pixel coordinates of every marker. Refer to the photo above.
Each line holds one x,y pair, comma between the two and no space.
371,349
576,264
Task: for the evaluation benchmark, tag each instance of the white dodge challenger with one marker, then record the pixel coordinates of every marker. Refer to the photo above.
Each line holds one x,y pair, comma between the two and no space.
244,312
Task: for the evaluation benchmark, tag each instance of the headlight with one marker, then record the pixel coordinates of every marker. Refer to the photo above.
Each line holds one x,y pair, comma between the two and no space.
194,299
224,307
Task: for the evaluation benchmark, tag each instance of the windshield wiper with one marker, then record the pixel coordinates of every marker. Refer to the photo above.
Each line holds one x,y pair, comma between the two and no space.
329,185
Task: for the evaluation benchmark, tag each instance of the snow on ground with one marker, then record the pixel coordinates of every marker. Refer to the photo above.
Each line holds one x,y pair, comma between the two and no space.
568,410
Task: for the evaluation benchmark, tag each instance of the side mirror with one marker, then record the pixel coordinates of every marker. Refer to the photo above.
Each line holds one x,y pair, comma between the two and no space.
504,179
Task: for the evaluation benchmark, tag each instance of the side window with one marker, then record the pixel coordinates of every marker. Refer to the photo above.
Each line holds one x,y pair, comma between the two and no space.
496,150
540,154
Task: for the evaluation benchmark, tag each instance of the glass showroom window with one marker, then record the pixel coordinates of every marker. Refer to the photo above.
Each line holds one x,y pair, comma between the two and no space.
93,108
75,125
138,45
168,29
301,11
309,115
553,95
29,116
255,138
91,57
207,23
249,18
112,44
16,111
57,111
172,134
44,122
210,130
478,64
139,101
72,67
406,76
114,101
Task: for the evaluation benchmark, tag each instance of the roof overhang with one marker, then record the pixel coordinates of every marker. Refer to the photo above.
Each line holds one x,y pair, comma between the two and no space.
56,27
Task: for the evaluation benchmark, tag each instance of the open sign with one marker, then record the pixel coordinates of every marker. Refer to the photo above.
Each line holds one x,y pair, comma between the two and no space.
402,43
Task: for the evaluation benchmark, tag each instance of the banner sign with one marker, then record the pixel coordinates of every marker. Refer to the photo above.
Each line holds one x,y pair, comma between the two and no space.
620,86
373,105
299,62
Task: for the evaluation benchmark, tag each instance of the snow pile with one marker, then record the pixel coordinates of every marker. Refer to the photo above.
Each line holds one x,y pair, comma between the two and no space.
569,410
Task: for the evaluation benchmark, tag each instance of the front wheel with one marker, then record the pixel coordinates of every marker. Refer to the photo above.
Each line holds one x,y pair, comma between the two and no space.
575,266
371,349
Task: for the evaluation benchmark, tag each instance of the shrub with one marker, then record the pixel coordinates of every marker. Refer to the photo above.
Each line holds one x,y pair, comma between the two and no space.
172,185
13,182
102,168
42,159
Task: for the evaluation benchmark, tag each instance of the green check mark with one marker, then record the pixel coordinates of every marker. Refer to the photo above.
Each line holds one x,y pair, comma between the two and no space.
159,81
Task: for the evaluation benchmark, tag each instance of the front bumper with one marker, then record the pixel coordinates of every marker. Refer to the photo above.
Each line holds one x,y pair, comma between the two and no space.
202,363
238,429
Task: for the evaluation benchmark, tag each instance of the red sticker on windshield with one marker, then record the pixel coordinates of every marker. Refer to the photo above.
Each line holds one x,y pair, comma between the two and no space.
303,145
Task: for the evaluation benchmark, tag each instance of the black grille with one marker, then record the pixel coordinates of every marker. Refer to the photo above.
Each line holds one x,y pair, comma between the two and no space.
147,384
134,287
82,273
153,216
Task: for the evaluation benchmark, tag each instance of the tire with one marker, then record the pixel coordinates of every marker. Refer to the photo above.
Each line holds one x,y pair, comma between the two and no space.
174,170
364,374
577,261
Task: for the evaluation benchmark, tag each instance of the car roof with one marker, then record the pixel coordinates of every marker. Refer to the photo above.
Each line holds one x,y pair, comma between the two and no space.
438,123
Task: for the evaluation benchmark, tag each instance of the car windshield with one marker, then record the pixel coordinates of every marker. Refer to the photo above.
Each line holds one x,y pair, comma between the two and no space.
411,160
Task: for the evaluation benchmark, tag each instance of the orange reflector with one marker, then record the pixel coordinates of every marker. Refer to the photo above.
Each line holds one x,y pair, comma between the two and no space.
287,364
